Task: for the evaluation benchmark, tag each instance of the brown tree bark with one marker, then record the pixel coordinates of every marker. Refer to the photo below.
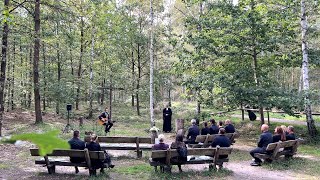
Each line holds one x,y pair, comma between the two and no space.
80,62
3,64
36,87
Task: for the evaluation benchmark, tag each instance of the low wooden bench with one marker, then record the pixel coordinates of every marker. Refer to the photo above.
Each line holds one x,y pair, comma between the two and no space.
124,143
285,148
212,157
52,163
206,140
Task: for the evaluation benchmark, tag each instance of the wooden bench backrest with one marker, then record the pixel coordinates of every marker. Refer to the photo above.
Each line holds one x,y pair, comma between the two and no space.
224,150
191,151
71,153
210,138
118,139
289,143
271,146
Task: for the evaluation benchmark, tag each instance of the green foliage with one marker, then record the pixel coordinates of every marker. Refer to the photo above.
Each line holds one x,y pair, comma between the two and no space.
46,142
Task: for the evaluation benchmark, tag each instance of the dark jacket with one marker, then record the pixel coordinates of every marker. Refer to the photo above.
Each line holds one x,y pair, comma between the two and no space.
104,115
205,131
230,128
214,129
93,146
291,137
160,146
265,139
193,132
76,143
276,138
222,141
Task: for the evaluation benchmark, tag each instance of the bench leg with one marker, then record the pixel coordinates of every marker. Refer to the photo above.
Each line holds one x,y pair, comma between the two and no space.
92,172
212,167
51,169
139,154
155,168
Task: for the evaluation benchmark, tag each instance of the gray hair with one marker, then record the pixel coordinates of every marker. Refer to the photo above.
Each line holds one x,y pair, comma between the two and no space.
193,121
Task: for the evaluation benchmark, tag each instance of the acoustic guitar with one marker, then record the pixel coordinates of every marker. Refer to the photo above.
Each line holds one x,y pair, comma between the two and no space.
104,120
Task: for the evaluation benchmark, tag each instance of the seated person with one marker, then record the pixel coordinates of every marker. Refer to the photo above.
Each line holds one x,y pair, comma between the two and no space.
93,145
229,126
264,140
76,143
290,135
214,129
222,141
205,130
220,124
285,129
160,146
279,135
175,145
193,132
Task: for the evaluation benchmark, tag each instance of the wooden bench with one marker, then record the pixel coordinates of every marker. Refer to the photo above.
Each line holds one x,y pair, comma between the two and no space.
52,163
285,148
124,143
212,157
206,140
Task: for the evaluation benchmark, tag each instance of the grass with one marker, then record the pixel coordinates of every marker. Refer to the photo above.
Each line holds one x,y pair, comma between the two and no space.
4,166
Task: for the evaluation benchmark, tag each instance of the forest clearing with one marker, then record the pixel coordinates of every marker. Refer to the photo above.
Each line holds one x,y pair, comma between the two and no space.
114,89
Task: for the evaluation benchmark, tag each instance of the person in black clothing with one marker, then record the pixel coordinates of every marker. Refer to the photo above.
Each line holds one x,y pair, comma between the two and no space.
291,135
76,143
167,114
93,145
220,124
205,130
251,115
193,132
264,140
229,127
214,129
279,135
108,123
221,141
176,145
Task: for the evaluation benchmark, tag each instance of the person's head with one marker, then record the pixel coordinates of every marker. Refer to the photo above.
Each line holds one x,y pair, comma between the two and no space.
93,138
278,130
205,124
76,134
106,109
161,138
193,121
290,129
222,131
264,128
179,138
228,121
284,128
213,122
220,123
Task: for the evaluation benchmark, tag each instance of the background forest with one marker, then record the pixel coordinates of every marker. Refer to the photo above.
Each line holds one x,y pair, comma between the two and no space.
220,54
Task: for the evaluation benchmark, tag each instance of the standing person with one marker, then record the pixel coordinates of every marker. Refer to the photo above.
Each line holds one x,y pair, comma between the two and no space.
93,145
167,114
105,118
76,143
193,132
205,130
264,140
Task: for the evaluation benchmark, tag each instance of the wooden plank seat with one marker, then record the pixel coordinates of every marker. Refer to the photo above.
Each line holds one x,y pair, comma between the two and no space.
198,156
51,162
124,143
206,140
275,150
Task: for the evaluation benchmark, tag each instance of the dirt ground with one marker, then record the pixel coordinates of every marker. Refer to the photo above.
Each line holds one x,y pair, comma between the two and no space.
16,162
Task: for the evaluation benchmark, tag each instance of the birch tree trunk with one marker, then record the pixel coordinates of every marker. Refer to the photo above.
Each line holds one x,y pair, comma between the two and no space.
36,88
305,71
151,66
3,64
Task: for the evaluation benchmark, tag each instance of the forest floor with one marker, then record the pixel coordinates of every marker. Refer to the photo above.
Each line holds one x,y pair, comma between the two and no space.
16,162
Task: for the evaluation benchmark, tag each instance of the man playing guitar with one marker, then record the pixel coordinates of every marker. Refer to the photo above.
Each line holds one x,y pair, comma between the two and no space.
104,119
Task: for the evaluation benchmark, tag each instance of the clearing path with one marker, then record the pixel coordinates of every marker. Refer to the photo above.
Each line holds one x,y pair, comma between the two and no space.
293,122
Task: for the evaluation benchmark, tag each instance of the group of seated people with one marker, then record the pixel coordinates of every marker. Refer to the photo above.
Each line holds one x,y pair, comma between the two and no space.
281,133
221,141
93,145
194,130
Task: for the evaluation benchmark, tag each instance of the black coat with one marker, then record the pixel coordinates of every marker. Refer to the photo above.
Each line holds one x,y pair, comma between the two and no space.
93,146
222,141
193,132
214,129
265,139
276,138
291,137
104,115
167,114
230,128
76,143
205,131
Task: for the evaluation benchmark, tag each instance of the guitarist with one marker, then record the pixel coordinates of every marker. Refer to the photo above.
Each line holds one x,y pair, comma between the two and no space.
105,117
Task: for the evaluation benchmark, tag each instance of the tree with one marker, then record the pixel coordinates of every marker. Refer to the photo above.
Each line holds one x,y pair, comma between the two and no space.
151,66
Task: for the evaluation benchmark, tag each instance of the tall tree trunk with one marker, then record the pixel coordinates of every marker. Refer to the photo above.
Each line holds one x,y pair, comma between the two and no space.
80,62
12,105
8,82
22,84
30,74
138,80
132,75
305,69
59,71
5,32
91,75
36,88
110,97
152,122
44,97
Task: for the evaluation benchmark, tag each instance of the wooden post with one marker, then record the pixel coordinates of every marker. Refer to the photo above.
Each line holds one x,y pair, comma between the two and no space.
80,121
268,117
242,111
139,152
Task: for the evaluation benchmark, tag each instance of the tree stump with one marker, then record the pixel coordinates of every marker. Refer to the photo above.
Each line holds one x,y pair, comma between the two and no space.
179,124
